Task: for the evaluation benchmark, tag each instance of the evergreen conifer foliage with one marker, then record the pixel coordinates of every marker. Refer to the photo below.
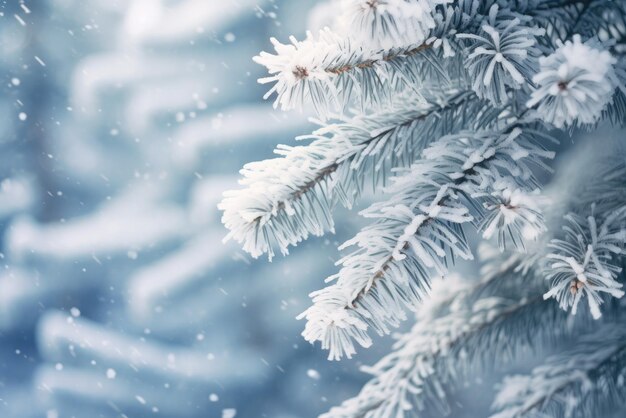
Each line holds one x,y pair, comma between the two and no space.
454,108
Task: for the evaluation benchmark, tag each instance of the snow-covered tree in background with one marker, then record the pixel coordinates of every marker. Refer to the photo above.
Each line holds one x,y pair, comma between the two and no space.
458,115
122,123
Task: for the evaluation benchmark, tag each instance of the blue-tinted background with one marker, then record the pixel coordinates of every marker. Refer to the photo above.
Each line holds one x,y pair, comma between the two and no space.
121,123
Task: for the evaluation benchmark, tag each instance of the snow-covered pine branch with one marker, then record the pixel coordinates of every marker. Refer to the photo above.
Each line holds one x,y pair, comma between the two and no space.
437,349
418,232
286,199
524,67
382,47
457,329
582,381
336,68
331,72
478,325
439,352
586,261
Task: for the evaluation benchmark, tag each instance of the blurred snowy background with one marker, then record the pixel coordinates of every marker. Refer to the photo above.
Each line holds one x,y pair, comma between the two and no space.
121,123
